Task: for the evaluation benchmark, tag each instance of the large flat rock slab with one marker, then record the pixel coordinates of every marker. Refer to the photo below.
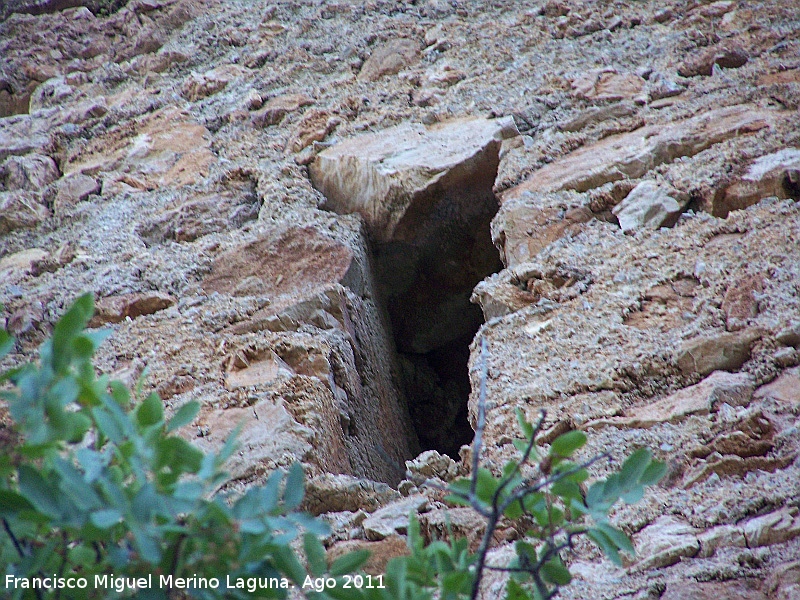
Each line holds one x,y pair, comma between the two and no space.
635,153
391,176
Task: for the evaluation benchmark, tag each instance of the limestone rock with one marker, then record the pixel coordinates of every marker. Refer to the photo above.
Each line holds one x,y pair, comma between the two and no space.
25,318
273,111
393,518
664,542
784,582
73,189
19,264
713,590
740,303
461,522
269,434
166,147
334,493
257,370
196,87
634,154
650,206
389,58
114,309
426,196
432,464
31,172
201,215
722,536
607,84
51,93
523,228
388,176
20,210
785,389
734,389
21,134
297,263
790,336
703,63
722,351
776,174
773,528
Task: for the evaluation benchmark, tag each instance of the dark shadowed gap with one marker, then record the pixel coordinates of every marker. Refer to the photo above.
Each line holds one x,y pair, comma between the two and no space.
426,282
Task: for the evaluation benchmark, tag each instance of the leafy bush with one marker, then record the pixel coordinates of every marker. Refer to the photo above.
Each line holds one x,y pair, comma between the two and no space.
101,487
545,493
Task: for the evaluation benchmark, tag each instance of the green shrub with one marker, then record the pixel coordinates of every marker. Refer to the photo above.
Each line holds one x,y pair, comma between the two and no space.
100,490
102,486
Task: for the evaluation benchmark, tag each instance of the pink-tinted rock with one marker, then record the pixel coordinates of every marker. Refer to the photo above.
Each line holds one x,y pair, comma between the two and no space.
30,172
735,389
740,303
714,590
114,309
776,174
20,210
273,111
163,148
664,542
607,84
722,351
389,58
634,154
73,189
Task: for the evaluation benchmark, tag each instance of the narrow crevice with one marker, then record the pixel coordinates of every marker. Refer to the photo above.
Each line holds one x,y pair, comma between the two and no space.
425,285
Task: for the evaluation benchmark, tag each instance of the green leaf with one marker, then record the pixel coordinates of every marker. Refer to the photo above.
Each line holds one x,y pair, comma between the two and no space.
287,563
183,416
487,486
521,445
633,468
456,582
527,428
39,492
349,562
67,328
294,490
414,541
12,502
77,424
315,554
105,518
150,411
567,443
653,473
515,591
606,545
6,342
554,571
617,537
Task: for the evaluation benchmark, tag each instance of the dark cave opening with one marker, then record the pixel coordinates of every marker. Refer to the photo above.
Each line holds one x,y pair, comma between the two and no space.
425,277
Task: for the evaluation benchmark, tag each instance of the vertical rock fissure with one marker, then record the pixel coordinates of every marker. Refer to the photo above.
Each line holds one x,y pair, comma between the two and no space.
425,286
425,194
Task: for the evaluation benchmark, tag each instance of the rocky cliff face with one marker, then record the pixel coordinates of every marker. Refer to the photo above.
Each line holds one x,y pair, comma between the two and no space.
302,214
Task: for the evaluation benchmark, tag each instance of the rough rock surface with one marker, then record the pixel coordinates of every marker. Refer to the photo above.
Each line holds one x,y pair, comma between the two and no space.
160,154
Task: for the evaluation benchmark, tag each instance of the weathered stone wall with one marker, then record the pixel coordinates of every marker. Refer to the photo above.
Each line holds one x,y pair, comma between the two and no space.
647,228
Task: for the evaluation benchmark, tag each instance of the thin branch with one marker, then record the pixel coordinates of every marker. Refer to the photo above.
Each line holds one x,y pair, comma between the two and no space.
481,422
65,540
14,539
20,551
526,455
